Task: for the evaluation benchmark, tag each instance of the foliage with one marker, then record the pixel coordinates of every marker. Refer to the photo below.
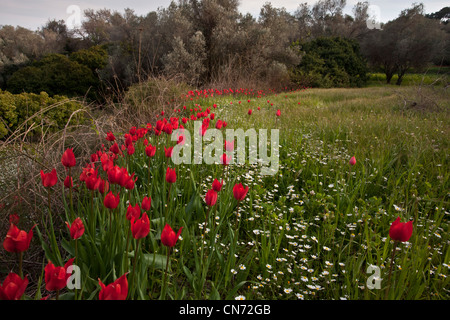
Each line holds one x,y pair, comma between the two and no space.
57,74
38,113
331,62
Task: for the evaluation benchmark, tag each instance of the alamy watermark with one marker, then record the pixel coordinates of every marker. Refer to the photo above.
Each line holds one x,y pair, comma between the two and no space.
374,20
374,281
213,152
74,19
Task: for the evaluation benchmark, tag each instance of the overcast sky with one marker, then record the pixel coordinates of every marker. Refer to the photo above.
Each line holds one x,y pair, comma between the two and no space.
33,14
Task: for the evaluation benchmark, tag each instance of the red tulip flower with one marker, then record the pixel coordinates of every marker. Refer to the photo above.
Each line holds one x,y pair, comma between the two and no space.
171,175
49,179
141,227
146,203
278,112
114,174
111,201
76,229
133,212
401,231
115,148
92,181
103,186
17,240
168,152
225,159
110,136
168,236
229,145
13,287
250,112
128,181
216,185
68,158
118,290
352,161
56,277
150,151
211,197
130,149
68,182
239,192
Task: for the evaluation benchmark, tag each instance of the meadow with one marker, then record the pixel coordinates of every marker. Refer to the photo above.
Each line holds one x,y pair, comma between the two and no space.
316,229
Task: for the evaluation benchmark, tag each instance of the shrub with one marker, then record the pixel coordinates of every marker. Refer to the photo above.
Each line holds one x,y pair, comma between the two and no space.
331,62
58,74
21,111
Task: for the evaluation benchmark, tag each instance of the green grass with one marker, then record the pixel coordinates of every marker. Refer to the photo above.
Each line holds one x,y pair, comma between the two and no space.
308,232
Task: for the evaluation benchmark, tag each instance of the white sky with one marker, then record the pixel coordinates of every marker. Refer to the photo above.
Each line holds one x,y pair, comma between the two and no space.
33,14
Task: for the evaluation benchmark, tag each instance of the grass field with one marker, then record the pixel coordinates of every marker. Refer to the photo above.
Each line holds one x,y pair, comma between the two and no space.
310,231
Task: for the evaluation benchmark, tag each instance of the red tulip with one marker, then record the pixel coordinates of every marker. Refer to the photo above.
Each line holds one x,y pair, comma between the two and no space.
17,240
114,148
103,186
111,201
146,203
278,112
68,158
118,290
168,152
216,185
240,192
133,212
114,174
150,150
68,182
128,181
171,175
225,159
352,161
229,145
168,236
107,162
211,197
110,136
13,287
141,227
76,229
401,231
250,112
49,179
130,149
92,181
56,277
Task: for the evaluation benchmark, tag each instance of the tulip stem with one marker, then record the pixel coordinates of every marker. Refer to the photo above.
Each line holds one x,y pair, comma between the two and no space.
237,214
126,252
390,270
163,294
167,203
134,263
70,195
20,264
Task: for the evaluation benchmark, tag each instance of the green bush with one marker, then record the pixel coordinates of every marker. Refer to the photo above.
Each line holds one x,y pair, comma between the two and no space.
331,62
58,74
38,110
